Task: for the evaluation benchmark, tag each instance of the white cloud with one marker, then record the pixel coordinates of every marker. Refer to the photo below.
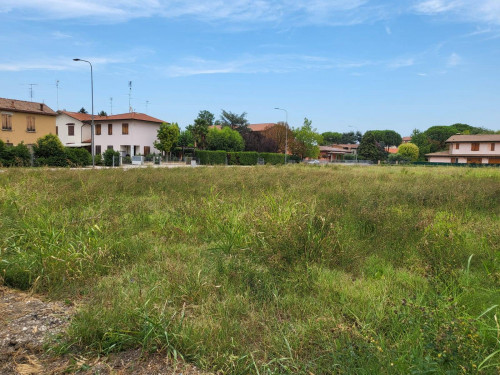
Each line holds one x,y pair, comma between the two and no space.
482,11
454,59
401,63
388,30
254,11
259,64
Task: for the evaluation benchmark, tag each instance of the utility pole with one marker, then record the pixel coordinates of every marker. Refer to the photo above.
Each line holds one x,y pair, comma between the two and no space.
111,105
31,90
57,93
129,95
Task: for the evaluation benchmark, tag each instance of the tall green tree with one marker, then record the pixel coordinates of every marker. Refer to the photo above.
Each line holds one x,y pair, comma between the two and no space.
331,138
102,113
167,136
234,121
307,141
423,143
207,116
186,139
370,149
82,110
200,127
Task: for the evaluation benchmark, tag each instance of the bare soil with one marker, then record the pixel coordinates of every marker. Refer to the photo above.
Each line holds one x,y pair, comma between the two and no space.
27,322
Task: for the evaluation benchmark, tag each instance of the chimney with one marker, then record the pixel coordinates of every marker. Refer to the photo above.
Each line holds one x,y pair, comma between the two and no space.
41,107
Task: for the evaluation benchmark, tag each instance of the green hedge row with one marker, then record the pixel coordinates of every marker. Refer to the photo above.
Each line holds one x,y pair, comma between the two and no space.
237,158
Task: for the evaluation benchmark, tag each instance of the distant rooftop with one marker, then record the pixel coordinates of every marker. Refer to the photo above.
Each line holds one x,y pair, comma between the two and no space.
122,116
24,106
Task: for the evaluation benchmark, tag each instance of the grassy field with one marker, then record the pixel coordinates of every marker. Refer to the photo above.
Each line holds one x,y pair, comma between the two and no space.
267,270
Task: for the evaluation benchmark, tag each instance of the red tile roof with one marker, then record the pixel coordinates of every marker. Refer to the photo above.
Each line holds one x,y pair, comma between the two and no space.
261,127
23,106
474,138
123,116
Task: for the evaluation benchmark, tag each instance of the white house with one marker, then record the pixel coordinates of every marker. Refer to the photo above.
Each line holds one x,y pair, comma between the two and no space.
129,133
470,149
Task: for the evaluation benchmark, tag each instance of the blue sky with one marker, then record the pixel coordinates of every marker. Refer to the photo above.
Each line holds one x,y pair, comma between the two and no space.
344,64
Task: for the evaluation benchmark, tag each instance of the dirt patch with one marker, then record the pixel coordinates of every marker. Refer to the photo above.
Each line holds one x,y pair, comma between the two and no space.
27,322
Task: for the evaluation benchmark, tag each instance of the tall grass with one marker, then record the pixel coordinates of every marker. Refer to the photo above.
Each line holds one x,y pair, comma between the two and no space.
267,270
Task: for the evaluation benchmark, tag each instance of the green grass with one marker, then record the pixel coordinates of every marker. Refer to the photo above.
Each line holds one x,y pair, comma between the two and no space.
267,270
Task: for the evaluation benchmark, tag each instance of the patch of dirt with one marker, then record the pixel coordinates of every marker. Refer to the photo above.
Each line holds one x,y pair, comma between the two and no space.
27,322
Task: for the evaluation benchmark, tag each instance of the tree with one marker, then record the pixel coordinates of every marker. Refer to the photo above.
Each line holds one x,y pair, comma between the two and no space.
234,121
186,139
259,142
102,113
167,136
279,135
49,150
422,142
331,138
207,116
82,110
409,150
351,137
387,138
370,149
307,141
225,139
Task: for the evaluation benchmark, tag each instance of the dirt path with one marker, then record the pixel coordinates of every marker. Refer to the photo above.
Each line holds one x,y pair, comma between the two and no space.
27,321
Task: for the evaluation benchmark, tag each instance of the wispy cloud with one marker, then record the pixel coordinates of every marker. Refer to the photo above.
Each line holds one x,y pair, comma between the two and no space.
60,63
255,11
401,63
454,60
483,11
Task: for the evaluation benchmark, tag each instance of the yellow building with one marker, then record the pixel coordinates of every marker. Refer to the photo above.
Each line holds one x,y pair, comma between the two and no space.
25,121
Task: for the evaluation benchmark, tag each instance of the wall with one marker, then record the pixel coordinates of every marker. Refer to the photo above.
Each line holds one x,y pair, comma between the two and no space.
484,149
44,125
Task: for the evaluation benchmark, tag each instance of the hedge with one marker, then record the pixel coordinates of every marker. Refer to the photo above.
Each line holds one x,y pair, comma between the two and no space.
14,156
237,158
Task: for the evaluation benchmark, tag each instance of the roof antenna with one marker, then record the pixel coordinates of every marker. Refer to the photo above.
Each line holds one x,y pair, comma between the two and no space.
111,105
57,90
129,95
31,90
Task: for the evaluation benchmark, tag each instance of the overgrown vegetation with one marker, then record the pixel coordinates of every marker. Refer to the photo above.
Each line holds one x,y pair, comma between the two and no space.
267,270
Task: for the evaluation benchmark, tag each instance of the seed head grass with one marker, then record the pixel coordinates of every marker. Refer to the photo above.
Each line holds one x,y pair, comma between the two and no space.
266,270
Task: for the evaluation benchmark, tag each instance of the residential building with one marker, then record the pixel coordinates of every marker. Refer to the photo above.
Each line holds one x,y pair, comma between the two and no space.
25,121
332,153
129,133
406,139
470,149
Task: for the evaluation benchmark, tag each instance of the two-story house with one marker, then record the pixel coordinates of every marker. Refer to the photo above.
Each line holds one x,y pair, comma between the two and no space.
470,149
129,133
25,121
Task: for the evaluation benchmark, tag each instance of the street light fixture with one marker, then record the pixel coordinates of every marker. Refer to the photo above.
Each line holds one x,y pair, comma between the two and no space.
286,130
92,123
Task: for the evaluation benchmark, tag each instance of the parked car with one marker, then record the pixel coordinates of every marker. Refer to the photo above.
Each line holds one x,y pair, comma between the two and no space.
313,162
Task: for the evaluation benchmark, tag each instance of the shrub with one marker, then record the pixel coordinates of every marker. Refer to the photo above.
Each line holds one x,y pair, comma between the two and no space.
225,139
247,158
392,158
108,157
49,150
78,157
271,158
211,157
14,156
409,151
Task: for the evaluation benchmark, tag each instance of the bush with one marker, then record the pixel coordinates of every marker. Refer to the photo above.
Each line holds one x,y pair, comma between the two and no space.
225,139
14,156
409,151
211,157
247,158
271,158
78,157
108,157
393,158
49,150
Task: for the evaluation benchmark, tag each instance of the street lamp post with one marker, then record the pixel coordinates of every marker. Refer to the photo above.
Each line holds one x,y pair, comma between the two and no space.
286,130
356,151
92,123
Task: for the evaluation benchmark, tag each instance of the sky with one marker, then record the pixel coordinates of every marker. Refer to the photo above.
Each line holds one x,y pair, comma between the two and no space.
344,64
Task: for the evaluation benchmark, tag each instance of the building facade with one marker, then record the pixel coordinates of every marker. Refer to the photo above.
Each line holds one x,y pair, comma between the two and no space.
25,121
470,149
129,133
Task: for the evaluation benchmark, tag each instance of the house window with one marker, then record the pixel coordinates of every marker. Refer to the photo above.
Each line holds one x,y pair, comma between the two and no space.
475,147
30,124
110,129
6,121
110,147
57,130
98,150
454,160
147,150
71,129
492,147
97,129
124,128
457,146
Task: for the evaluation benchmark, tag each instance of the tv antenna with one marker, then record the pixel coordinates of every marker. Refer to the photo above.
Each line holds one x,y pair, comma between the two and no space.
111,105
31,90
129,95
57,94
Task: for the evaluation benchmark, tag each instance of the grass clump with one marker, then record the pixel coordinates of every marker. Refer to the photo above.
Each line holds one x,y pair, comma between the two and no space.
267,270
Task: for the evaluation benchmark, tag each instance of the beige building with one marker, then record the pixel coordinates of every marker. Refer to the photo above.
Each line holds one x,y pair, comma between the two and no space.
25,121
470,149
